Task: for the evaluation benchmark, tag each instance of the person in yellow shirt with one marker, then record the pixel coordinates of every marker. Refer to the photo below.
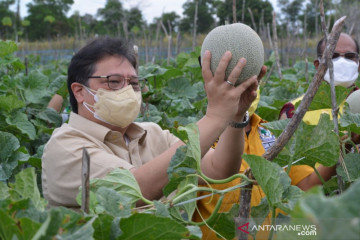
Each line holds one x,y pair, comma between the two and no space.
346,70
257,140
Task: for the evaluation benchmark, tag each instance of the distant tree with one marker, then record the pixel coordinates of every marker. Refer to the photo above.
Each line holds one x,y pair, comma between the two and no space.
170,17
5,12
49,20
39,9
291,9
205,16
7,23
25,25
313,21
350,9
257,7
112,16
134,18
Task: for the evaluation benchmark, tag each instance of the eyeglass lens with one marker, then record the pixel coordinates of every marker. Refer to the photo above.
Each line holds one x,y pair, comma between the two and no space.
348,55
118,82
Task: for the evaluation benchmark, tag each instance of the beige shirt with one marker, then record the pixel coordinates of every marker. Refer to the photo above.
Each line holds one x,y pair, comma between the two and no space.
61,161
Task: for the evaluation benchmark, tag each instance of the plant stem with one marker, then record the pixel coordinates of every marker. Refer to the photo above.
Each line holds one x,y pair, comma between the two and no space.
226,180
213,214
273,222
321,179
206,189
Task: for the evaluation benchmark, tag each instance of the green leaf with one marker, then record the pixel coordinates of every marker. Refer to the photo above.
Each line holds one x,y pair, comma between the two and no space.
8,226
51,116
311,144
50,227
224,222
269,107
161,209
58,84
4,191
7,48
322,99
35,86
113,202
185,161
25,208
351,121
270,176
335,217
21,122
352,163
146,226
29,227
84,232
151,70
195,232
276,127
258,213
291,195
180,167
102,227
120,180
10,102
9,144
26,187
179,88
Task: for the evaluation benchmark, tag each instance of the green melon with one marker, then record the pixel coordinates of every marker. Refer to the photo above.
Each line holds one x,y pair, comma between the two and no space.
354,101
241,41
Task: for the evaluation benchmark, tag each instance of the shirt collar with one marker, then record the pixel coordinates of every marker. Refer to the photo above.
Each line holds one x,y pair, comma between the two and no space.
99,131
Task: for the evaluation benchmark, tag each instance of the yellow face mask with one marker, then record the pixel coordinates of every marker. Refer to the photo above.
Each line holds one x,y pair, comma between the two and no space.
118,108
255,103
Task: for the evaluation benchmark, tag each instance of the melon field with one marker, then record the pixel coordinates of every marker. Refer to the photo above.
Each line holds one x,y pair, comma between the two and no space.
176,100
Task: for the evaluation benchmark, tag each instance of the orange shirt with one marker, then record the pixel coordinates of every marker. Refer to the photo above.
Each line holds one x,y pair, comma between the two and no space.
253,145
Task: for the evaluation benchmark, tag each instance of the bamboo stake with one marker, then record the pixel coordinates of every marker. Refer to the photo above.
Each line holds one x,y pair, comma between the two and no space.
276,49
156,41
85,179
195,25
168,35
243,11
334,107
269,36
234,11
252,19
305,50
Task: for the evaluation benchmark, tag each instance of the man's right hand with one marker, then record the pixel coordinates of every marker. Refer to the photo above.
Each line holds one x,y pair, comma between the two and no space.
223,98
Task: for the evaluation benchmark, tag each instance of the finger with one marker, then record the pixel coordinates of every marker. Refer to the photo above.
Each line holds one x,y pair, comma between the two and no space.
250,84
221,68
262,72
205,66
235,73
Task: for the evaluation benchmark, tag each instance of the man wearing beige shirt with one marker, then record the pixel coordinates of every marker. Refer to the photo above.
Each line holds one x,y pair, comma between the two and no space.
105,97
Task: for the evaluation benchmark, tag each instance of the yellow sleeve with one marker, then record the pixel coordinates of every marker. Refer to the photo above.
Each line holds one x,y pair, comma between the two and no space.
299,172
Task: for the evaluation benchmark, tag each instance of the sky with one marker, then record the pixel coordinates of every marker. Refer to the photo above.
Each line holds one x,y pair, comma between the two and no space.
150,8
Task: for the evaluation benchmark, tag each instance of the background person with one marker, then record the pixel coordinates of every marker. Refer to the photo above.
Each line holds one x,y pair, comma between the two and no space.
257,140
346,70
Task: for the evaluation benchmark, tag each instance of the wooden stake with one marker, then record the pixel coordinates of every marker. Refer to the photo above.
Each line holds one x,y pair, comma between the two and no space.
85,179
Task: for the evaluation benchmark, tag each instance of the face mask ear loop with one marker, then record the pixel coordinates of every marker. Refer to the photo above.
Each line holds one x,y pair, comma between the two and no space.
86,105
90,90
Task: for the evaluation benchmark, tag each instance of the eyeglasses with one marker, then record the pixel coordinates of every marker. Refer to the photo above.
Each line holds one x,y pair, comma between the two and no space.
116,82
348,55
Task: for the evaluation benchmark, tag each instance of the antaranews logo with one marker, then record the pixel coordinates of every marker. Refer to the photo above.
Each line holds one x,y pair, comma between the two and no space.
300,229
